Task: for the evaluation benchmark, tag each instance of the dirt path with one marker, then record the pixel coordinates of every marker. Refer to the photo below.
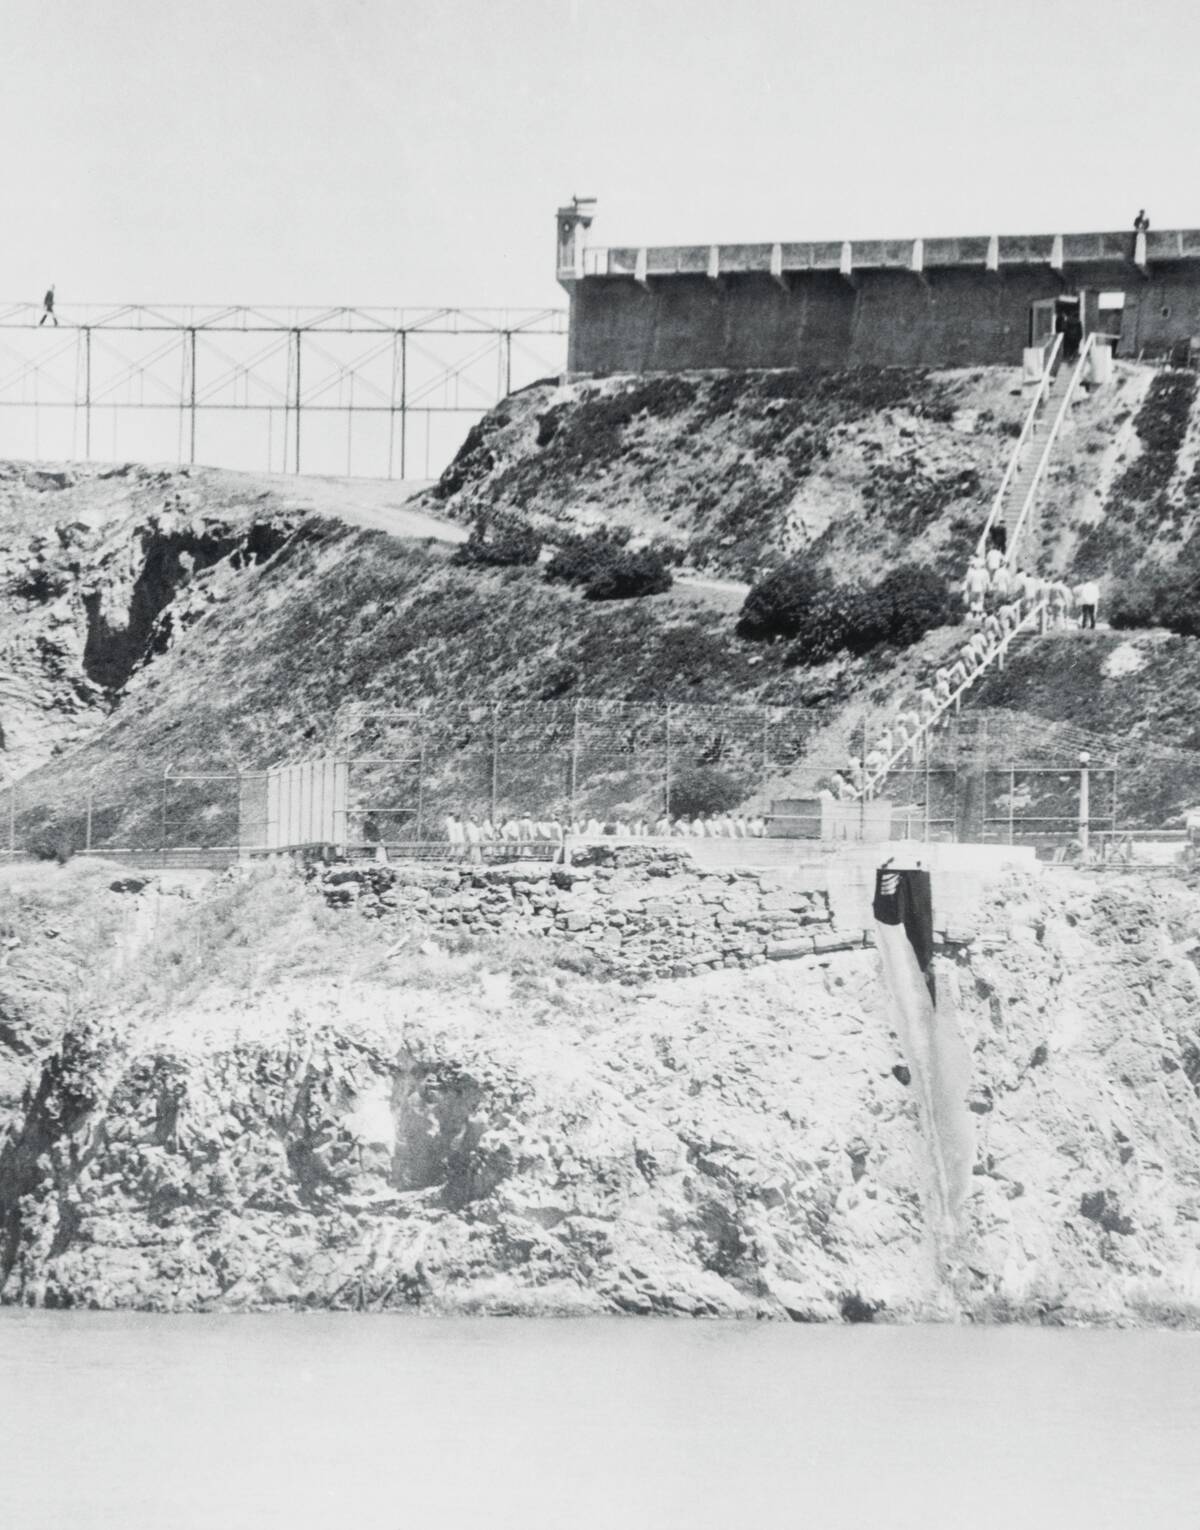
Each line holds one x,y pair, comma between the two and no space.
377,504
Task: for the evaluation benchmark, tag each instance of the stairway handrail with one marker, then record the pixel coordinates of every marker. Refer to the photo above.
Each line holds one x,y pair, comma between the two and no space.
922,733
1051,438
1039,399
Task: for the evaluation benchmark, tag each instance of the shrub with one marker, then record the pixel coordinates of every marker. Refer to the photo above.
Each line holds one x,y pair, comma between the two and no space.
630,574
52,842
703,789
778,605
580,558
1161,424
840,617
910,601
1159,597
823,618
608,568
509,547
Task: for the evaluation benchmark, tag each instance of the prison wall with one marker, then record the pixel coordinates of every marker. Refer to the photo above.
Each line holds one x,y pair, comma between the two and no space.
954,317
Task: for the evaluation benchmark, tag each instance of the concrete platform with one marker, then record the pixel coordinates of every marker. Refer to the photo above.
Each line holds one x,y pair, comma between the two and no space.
961,874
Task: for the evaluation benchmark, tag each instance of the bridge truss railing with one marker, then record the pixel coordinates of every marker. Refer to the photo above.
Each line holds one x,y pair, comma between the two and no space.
379,392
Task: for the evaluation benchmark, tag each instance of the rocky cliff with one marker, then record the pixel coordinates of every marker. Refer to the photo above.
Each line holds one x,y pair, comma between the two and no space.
293,1105
102,570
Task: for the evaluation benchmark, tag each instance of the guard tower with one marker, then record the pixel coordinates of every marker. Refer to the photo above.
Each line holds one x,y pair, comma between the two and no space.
573,222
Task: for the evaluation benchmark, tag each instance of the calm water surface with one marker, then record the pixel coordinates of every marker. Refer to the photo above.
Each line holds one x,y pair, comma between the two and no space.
114,1422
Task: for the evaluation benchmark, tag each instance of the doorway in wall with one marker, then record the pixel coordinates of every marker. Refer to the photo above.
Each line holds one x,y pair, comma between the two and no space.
1063,315
1041,321
1110,310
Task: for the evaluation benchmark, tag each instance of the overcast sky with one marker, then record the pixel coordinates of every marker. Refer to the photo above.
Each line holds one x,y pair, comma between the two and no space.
392,152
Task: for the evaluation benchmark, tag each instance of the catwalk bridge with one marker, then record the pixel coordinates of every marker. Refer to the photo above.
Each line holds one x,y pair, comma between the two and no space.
377,392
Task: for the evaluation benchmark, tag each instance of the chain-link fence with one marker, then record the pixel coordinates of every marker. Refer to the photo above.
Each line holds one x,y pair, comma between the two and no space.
985,777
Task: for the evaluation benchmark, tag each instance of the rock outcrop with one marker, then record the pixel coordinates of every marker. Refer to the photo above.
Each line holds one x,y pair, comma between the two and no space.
363,1113
101,570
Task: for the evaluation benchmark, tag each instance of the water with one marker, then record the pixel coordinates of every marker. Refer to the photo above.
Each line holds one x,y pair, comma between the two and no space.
392,1423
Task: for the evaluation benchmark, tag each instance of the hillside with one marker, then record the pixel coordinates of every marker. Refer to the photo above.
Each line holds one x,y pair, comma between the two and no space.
195,620
742,469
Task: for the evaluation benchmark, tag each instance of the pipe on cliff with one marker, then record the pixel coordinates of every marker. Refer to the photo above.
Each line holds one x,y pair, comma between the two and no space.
937,1056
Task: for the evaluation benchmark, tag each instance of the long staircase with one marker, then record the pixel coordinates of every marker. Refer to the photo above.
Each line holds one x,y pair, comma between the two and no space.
1012,507
1024,482
1009,518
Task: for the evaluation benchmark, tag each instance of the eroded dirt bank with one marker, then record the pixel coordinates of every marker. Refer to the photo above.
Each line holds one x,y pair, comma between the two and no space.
234,1096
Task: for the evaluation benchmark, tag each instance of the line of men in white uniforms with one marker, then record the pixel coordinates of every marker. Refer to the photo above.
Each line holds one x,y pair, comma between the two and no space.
526,829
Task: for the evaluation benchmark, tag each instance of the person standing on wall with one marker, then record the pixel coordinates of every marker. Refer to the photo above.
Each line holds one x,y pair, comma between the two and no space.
48,308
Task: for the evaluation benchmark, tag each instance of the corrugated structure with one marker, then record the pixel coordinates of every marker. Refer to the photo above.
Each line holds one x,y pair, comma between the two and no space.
294,805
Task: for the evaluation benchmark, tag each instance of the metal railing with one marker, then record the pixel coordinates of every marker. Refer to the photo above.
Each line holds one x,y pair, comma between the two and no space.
1051,438
1014,461
1037,610
920,737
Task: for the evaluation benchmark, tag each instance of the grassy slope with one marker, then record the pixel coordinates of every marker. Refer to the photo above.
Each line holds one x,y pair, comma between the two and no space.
358,617
861,467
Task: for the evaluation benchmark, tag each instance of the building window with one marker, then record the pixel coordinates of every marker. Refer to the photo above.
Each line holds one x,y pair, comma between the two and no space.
1111,302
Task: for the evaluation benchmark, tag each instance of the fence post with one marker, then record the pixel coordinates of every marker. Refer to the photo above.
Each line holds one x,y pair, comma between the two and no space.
927,785
162,827
1113,825
574,777
87,837
983,785
766,745
1084,803
421,787
12,819
1012,793
667,766
862,794
495,758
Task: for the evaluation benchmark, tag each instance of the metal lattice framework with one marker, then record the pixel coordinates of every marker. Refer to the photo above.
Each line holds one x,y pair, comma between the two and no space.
283,389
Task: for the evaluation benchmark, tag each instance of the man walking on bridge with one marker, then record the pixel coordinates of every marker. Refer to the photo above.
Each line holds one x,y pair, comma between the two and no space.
48,308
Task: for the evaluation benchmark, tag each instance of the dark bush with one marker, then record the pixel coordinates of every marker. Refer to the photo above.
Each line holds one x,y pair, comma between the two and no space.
630,574
840,617
507,547
1161,424
607,568
1159,597
703,789
53,842
910,601
581,558
778,605
823,618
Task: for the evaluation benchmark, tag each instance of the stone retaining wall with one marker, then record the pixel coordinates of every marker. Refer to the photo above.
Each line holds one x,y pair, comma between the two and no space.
649,912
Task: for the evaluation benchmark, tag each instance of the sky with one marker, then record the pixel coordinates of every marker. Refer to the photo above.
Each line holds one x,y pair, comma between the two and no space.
386,152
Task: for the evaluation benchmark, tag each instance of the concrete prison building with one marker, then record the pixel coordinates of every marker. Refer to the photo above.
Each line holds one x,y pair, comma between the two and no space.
883,302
